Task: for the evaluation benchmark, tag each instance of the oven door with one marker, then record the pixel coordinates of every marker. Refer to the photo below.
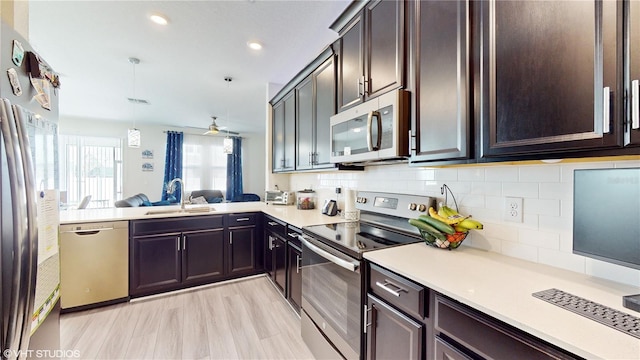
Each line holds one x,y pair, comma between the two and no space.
332,295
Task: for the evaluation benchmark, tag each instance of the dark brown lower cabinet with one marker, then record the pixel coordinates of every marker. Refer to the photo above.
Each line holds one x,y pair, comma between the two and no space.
280,263
391,334
481,336
202,255
156,262
170,254
242,250
294,276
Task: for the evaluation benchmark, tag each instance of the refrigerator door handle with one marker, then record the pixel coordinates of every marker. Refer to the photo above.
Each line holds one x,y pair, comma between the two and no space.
32,211
14,338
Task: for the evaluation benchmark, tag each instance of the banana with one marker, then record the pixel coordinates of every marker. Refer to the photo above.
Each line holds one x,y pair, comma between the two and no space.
437,223
470,224
447,220
461,229
420,224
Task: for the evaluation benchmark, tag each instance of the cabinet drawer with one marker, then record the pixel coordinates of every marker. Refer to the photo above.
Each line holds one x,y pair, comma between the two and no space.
402,293
163,226
275,226
487,336
292,235
242,219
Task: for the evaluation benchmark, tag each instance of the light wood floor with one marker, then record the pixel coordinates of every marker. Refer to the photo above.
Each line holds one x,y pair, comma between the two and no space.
247,319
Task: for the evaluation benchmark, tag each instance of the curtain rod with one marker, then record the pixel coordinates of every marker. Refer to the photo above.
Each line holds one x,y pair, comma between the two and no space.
220,134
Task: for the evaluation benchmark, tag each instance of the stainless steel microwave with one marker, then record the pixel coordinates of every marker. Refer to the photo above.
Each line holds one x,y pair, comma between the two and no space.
372,131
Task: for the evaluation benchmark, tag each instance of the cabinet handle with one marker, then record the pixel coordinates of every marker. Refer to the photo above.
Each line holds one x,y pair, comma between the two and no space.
270,242
359,84
606,110
365,315
178,242
184,242
635,104
315,158
242,219
298,258
230,238
395,292
293,235
282,163
272,223
310,158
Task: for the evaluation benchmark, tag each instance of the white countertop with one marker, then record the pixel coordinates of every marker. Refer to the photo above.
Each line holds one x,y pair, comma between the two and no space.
501,286
287,213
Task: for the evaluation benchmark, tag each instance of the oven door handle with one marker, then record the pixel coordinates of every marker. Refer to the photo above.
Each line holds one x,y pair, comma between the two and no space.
349,265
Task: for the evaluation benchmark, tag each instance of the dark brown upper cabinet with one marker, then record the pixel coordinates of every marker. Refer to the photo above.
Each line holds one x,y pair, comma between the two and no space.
316,102
549,77
632,136
440,54
283,140
370,51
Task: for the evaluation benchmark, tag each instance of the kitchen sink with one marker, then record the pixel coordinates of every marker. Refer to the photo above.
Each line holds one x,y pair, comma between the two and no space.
200,209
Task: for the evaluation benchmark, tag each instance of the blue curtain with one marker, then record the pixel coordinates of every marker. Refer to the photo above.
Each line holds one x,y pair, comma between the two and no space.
173,164
234,172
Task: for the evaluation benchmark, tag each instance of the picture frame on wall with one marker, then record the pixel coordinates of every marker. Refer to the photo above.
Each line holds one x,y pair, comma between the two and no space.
148,166
147,154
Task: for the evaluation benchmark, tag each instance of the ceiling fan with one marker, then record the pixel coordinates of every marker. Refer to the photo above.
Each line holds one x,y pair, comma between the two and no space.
215,130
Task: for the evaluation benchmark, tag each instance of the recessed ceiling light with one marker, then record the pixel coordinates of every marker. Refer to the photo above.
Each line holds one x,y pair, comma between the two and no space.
159,19
254,45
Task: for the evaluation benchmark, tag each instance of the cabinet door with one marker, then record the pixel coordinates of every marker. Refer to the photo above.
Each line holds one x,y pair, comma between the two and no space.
384,58
278,137
269,239
280,264
294,277
633,113
203,255
325,82
350,62
289,131
550,77
442,121
392,335
304,121
242,250
155,263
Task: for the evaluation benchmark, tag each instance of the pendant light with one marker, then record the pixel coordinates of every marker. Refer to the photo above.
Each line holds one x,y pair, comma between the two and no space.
133,135
227,143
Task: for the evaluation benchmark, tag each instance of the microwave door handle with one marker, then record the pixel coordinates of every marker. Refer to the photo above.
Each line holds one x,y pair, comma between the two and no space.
379,122
370,117
351,266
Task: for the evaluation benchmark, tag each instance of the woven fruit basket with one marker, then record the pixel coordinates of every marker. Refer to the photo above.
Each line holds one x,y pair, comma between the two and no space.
445,228
452,241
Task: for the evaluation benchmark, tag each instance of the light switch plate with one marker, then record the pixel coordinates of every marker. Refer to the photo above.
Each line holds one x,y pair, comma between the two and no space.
513,209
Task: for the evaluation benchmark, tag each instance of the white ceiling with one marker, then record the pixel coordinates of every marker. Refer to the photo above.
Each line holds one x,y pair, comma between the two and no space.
182,65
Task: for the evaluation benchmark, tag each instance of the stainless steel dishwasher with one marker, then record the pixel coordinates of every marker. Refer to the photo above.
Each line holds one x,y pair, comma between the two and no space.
94,263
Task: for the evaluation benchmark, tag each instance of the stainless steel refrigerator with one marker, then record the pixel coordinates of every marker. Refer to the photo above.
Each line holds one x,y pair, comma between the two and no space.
29,205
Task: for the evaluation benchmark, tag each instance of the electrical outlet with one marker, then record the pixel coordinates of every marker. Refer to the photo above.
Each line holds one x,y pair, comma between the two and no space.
513,209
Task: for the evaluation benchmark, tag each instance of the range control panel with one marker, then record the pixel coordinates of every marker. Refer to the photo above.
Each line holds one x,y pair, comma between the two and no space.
401,205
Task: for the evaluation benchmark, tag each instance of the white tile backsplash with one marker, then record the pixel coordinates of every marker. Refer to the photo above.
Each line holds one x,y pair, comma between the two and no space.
545,236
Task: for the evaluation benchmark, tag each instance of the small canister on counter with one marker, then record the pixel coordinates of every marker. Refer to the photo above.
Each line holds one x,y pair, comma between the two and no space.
306,199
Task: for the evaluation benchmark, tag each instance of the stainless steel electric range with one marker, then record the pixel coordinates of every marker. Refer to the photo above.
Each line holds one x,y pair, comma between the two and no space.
333,288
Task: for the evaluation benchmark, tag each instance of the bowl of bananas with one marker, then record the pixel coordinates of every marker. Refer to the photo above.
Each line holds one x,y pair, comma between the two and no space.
445,228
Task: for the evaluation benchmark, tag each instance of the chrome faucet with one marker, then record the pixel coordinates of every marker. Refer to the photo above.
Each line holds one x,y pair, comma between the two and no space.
170,190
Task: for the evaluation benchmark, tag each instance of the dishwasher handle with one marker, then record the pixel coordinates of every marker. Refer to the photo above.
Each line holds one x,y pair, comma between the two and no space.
86,231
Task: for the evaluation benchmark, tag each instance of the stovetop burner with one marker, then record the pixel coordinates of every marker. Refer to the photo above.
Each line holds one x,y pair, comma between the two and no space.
381,225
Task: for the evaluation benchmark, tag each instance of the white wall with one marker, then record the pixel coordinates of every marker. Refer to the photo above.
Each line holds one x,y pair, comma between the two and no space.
153,138
545,236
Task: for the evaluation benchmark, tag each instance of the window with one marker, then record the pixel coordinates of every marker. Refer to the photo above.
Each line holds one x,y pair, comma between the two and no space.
91,166
204,163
